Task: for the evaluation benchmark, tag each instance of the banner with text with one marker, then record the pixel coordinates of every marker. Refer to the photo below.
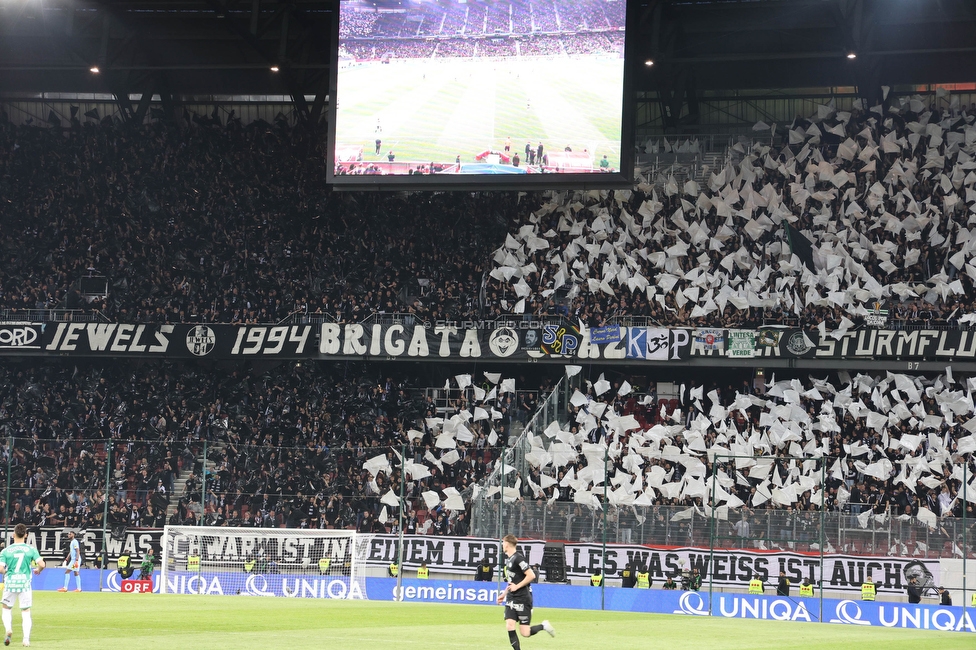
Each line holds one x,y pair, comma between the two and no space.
462,555
654,601
726,567
644,343
689,603
52,542
483,340
159,341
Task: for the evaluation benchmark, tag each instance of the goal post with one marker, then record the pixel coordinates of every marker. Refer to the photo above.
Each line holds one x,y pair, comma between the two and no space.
795,531
282,562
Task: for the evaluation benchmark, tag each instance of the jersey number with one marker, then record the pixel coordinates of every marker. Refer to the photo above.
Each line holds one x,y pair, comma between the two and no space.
20,562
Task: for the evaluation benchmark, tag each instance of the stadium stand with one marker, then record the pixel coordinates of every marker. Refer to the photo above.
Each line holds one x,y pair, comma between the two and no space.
185,225
674,255
224,223
286,448
554,29
885,204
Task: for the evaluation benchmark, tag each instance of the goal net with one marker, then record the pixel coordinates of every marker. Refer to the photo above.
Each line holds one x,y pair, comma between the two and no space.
282,562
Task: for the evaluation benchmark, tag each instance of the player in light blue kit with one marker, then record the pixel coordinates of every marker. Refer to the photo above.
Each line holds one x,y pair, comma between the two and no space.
19,562
72,562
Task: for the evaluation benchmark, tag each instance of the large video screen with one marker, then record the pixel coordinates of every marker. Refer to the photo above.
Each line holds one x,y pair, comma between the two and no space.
468,90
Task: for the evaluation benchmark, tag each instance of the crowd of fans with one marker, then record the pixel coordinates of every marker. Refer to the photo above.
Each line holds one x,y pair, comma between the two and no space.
607,43
392,25
384,48
453,23
534,45
477,19
603,15
891,453
456,48
357,24
227,225
521,22
235,224
285,448
499,18
544,17
884,202
544,28
58,420
541,46
493,47
318,445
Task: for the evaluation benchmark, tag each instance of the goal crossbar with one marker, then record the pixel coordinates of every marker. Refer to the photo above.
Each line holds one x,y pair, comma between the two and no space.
263,561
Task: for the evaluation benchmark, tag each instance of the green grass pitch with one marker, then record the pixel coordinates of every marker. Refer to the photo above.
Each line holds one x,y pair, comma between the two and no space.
435,110
161,622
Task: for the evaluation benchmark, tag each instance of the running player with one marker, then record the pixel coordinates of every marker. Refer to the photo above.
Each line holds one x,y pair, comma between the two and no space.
17,563
517,595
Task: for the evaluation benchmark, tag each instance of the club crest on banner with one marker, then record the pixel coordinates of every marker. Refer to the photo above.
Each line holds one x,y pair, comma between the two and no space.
200,340
560,339
797,345
503,342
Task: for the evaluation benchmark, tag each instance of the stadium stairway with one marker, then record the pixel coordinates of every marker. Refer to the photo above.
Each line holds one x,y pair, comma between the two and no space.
697,168
717,152
214,449
711,162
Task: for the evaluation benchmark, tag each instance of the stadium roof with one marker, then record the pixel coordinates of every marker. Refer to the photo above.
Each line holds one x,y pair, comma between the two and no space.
179,48
173,48
740,44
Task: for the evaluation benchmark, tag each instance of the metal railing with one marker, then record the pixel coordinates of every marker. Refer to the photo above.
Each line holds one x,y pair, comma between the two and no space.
768,529
511,471
762,320
52,316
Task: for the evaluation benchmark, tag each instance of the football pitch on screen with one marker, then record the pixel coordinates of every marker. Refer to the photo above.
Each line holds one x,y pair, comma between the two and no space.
434,110
161,622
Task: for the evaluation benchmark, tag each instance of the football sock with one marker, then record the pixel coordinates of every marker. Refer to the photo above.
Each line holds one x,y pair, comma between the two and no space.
512,637
25,614
8,620
535,629
78,580
67,577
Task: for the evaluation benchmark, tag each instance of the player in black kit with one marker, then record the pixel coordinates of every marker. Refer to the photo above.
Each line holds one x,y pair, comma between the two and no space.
517,595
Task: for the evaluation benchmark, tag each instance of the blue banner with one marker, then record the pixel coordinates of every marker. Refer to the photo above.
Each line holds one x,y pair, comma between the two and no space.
689,603
52,579
845,612
653,601
608,334
636,343
215,584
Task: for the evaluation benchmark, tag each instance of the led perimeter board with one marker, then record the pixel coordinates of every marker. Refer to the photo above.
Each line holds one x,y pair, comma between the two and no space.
480,94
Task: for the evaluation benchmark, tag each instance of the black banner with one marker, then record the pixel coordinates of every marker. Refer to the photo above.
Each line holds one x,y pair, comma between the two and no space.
20,336
501,340
915,344
726,566
463,554
52,542
439,342
646,343
162,341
